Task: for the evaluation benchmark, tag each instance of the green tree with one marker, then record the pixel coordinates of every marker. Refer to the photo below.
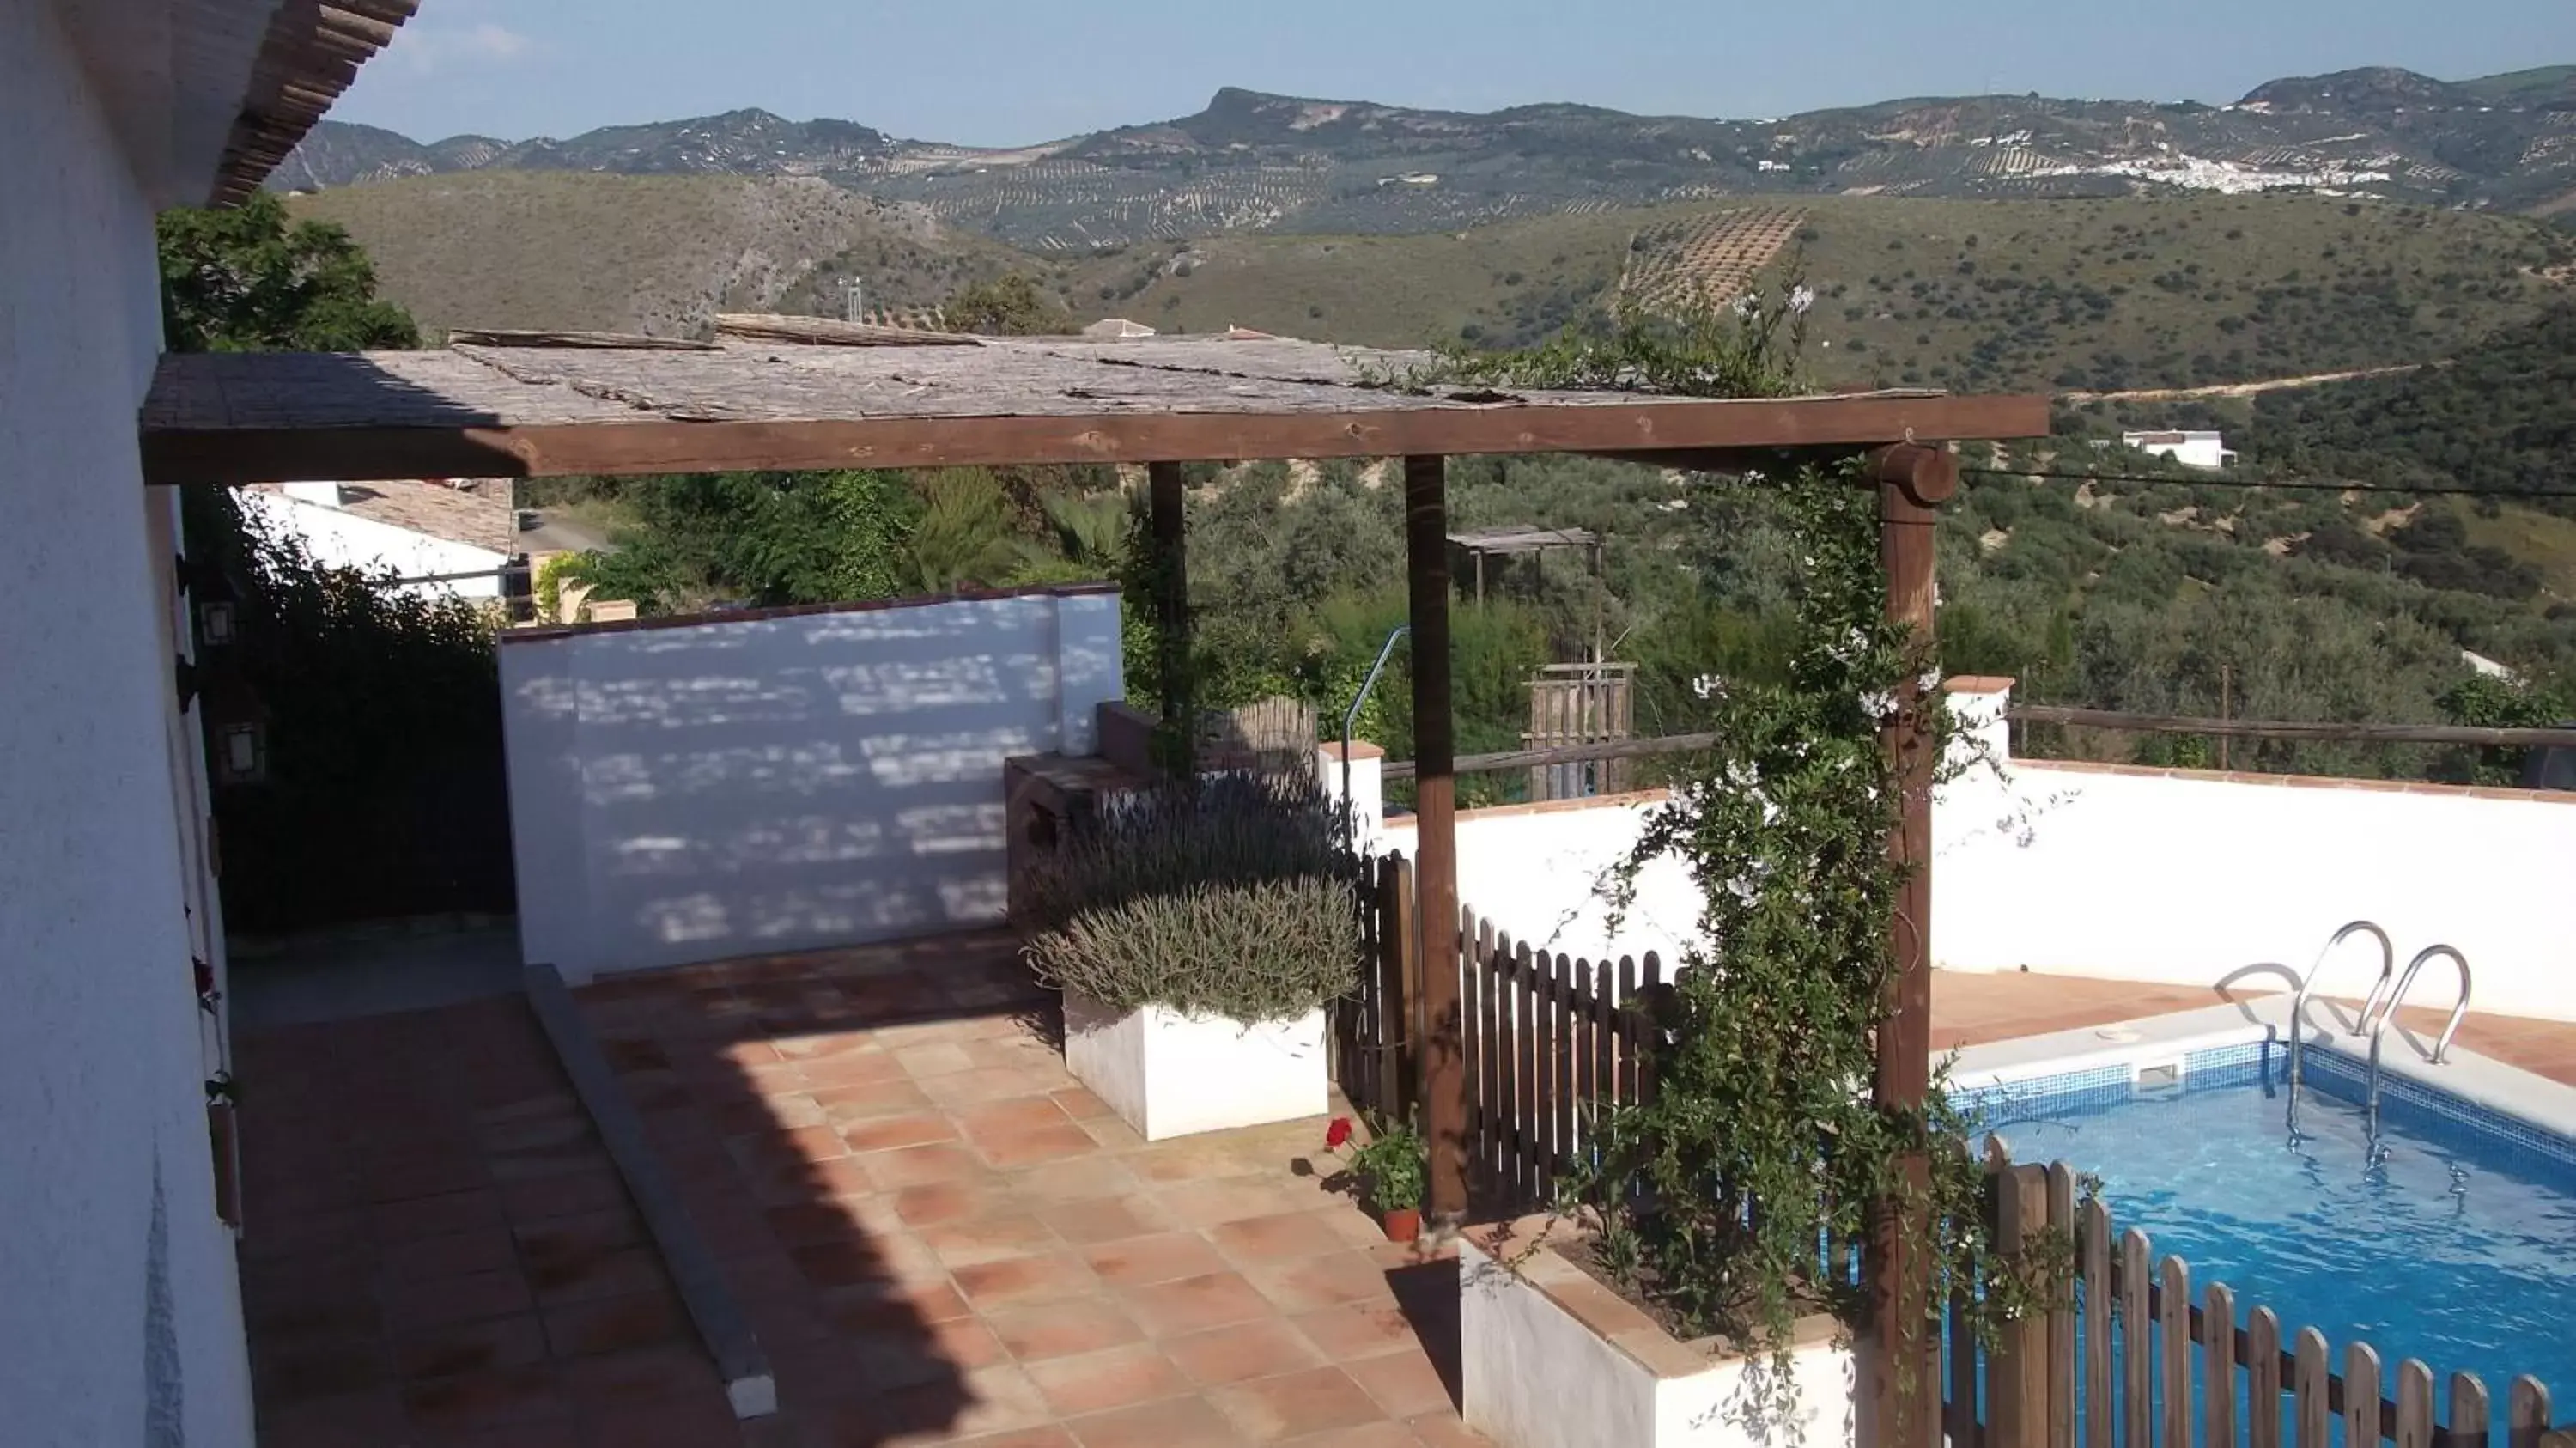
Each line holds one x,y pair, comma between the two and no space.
246,279
1012,306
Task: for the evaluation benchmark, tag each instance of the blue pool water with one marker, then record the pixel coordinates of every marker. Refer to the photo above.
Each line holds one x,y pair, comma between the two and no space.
2454,1243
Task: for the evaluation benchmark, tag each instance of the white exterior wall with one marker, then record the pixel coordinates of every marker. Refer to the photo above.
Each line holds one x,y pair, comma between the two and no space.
2189,877
342,539
106,1335
2177,877
788,781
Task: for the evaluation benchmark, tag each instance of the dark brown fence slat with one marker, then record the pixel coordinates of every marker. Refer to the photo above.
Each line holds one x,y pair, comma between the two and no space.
1587,1048
1551,1022
2308,1382
2468,1411
2017,1369
1471,1035
1385,1068
1413,941
2263,1379
1568,1053
2137,1386
2218,1364
1967,1429
1508,1034
2414,1404
2093,1235
1627,1030
2173,1312
1526,1088
1651,986
1490,1088
2527,1413
2361,1381
2061,1314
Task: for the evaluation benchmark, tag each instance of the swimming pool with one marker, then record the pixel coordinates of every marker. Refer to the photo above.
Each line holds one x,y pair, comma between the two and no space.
2450,1238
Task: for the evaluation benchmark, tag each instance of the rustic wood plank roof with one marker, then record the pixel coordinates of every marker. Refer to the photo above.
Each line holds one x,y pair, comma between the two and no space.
311,53
474,410
1524,539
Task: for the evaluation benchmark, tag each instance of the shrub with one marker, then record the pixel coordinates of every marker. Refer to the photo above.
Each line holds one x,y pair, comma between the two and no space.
1232,898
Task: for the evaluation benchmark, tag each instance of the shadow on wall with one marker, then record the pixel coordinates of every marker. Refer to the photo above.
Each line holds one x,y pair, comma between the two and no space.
784,782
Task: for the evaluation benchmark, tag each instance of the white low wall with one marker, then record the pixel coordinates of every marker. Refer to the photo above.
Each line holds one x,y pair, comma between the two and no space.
684,791
2187,877
2170,876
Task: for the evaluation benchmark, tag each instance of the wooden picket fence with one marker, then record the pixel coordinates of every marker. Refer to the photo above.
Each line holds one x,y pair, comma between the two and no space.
1549,1040
2126,1354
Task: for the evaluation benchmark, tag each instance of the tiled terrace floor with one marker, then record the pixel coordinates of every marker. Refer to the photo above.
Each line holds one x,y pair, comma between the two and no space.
439,1251
938,1235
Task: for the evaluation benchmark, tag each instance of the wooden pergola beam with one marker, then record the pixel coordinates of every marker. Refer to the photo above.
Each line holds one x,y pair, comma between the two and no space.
1166,484
1435,810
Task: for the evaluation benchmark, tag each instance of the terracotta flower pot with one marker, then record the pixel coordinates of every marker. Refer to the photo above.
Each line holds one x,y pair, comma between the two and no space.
1402,1224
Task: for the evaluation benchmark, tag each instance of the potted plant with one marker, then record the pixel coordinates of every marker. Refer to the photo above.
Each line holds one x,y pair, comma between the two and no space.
1196,930
1386,1172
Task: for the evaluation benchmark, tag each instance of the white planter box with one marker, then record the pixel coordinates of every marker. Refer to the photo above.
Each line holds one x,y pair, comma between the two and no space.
1168,1074
1550,1358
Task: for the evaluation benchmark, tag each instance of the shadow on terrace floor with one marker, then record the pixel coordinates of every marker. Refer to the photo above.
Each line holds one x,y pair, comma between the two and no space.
940,1236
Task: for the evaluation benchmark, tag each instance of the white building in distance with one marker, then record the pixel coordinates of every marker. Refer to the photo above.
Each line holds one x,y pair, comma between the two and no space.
2191,449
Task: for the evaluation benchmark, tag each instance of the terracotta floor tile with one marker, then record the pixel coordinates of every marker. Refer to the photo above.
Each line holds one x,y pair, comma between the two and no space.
890,1305
824,1045
936,1059
987,1083
1111,1134
374,1417
1315,1400
854,1077
1285,1237
894,1133
1104,1219
1214,1203
1319,1282
615,1324
484,1249
1143,1261
443,1215
320,1371
565,1195
609,1274
1079,1103
500,1342
1263,1347
1444,1430
987,1239
1191,1422
1043,1277
487,1399
1405,1384
847,1263
892,1171
1025,1438
1074,1179
1194,1304
1034,1145
682,1420
996,1399
1026,1113
1062,1329
808,1223
440,1301
1356,1330
817,1142
1121,1377
945,1202
608,1378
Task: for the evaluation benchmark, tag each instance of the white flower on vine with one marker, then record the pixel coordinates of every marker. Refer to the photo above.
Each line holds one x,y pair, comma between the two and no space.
1747,304
1879,703
1801,298
1708,686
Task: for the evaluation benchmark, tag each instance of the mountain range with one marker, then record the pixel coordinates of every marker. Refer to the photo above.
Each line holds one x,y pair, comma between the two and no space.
1257,162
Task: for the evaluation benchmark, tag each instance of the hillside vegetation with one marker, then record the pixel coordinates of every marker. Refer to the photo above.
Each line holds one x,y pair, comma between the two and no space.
2120,293
656,254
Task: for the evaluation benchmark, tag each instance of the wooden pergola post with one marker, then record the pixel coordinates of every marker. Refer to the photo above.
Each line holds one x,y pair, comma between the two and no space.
1172,616
1906,1396
1435,807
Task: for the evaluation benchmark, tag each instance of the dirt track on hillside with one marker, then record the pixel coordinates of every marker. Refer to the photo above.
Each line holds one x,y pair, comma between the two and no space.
2242,389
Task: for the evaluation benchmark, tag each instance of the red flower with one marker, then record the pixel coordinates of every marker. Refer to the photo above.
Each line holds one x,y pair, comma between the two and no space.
1337,1133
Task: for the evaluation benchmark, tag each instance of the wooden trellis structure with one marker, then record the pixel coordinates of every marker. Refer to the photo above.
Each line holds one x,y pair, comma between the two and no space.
831,395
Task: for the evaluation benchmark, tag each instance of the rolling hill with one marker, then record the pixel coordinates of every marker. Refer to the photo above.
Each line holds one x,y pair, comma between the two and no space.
656,254
1257,162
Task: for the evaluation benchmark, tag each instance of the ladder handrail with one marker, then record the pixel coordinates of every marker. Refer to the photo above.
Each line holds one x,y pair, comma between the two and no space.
2459,1011
2308,985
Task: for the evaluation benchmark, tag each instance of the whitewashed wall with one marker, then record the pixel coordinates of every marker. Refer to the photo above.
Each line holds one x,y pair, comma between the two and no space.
2193,878
784,781
2176,877
343,539
120,1318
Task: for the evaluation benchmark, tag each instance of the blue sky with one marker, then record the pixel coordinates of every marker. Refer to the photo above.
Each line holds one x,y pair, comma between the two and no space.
1002,72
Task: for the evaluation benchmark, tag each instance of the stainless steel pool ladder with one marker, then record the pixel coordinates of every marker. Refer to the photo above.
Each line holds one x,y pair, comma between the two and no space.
2308,985
2384,1008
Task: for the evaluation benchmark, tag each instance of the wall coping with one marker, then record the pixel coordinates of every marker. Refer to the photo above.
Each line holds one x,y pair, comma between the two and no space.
2302,781
1978,684
1360,749
1631,800
800,610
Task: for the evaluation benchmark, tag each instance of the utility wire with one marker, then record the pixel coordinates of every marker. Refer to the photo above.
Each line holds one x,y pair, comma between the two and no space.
2291,486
